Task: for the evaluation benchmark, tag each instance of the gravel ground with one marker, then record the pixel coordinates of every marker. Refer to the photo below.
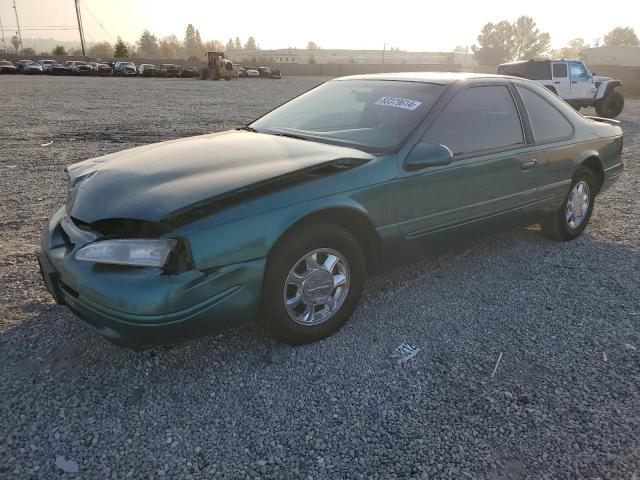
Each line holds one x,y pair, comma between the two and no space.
564,401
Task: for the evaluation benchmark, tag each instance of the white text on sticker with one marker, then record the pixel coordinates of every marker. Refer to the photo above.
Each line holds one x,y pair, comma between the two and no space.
398,103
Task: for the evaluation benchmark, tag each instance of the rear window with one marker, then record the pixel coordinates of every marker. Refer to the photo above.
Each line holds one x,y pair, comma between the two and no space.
548,124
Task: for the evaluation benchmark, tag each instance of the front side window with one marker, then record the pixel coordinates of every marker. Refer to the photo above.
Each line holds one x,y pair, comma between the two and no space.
578,72
477,119
548,124
376,116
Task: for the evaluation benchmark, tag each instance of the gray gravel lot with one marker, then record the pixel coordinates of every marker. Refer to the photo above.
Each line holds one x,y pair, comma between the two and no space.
564,402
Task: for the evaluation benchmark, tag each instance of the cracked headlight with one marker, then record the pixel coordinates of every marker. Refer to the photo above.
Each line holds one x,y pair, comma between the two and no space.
134,252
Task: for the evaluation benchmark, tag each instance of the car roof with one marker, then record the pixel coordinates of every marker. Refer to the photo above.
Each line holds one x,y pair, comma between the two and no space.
444,78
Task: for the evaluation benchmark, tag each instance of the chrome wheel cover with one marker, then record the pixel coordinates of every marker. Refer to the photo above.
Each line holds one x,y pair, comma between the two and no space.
316,286
578,204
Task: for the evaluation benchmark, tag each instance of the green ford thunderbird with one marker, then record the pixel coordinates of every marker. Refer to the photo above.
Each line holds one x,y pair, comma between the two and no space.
281,221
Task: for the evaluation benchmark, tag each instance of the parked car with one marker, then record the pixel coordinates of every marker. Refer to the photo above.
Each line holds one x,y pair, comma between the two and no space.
58,69
264,72
572,81
124,69
292,212
190,72
7,67
78,67
46,65
147,70
29,67
275,73
103,70
169,70
250,72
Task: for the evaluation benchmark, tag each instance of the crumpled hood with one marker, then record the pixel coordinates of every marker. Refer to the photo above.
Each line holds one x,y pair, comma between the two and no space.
156,181
598,78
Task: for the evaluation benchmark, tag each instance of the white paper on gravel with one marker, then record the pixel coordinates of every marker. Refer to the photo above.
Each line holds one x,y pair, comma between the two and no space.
405,352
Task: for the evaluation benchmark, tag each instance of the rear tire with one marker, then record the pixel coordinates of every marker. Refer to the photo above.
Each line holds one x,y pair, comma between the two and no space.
313,282
610,106
568,222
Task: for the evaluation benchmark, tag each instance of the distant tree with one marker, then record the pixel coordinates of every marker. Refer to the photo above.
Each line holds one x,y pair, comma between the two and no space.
169,47
230,46
148,45
251,44
15,41
121,50
28,51
213,46
312,46
573,49
496,40
101,50
528,41
237,44
625,36
76,52
59,50
192,42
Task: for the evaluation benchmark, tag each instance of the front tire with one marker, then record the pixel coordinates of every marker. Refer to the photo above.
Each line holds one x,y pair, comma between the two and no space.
573,216
610,106
313,283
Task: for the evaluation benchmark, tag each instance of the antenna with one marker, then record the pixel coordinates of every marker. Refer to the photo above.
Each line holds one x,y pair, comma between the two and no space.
77,2
18,25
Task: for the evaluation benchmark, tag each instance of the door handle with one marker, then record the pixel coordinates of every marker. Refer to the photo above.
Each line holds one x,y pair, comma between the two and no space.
557,83
527,164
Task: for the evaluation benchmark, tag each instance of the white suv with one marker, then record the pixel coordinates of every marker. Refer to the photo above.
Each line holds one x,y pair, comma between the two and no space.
572,81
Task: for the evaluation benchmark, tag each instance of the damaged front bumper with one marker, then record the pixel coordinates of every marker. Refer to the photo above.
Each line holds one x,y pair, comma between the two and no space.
136,306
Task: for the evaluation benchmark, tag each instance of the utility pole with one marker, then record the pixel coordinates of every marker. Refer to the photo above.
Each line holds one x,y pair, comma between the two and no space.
77,2
4,43
18,25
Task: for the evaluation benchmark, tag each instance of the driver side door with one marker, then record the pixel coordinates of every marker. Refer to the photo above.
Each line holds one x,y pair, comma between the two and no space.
490,183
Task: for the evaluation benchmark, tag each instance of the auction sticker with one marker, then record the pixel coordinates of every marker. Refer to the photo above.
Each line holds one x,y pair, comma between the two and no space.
398,103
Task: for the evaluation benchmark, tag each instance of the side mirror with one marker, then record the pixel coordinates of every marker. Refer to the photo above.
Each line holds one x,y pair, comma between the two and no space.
426,155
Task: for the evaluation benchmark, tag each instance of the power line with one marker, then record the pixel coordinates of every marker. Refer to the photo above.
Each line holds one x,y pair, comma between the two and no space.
97,21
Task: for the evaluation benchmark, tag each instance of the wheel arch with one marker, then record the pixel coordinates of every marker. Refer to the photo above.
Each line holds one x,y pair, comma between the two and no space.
353,220
591,160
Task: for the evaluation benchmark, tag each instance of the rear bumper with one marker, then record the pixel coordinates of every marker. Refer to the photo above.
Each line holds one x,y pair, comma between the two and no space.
144,306
611,174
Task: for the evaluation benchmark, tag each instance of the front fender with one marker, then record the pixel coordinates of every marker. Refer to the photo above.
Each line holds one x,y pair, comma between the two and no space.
607,88
253,237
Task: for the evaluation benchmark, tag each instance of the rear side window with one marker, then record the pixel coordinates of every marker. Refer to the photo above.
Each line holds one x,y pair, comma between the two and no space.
548,124
560,70
477,119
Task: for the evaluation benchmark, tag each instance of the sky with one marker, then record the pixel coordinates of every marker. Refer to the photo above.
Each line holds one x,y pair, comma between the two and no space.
410,25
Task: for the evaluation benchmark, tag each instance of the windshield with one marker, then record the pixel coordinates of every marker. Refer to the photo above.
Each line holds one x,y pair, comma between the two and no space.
372,115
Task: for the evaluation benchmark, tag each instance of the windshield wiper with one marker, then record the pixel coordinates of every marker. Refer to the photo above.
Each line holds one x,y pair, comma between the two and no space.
247,128
290,135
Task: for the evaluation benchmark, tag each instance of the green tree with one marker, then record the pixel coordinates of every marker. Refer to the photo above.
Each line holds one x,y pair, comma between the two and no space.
251,44
573,49
101,50
76,52
28,51
148,45
625,36
192,42
496,43
59,50
230,46
15,41
237,44
528,41
213,46
312,46
169,47
121,50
